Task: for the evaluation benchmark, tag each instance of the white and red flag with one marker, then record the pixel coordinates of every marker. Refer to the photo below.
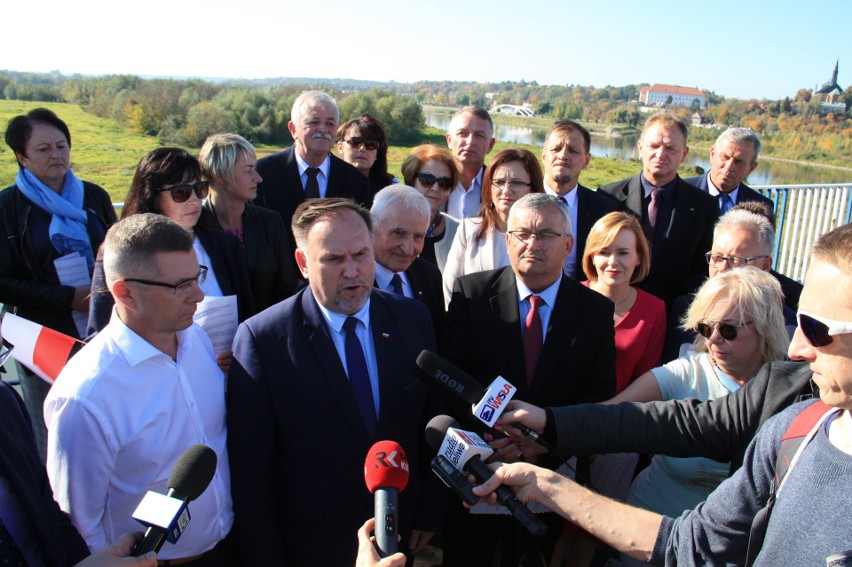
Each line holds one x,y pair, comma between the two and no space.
39,348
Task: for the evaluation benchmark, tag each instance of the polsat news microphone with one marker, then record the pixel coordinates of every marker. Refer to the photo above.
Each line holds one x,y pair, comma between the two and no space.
386,475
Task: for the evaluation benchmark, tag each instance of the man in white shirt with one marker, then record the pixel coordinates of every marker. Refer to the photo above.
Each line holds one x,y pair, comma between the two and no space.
145,389
470,138
566,153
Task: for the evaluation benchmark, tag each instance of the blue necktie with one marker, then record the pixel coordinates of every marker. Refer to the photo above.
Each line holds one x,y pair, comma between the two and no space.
396,284
359,376
725,202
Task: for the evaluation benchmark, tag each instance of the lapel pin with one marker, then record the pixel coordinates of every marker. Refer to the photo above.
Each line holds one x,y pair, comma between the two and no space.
385,336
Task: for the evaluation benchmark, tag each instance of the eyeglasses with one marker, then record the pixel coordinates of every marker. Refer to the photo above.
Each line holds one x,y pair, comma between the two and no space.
357,142
734,261
728,331
428,181
819,330
514,184
183,287
182,191
543,237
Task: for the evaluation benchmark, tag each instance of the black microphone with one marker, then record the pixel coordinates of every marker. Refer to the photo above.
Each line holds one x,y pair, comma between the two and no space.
463,450
189,478
448,376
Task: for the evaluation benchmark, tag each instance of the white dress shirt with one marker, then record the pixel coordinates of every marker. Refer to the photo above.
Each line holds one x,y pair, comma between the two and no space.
464,203
383,279
570,200
120,415
322,176
545,310
468,256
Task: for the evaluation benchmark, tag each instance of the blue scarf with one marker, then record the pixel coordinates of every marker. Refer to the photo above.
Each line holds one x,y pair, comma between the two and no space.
68,223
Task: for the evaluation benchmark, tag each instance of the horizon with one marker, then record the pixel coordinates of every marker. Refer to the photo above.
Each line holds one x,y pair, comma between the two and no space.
732,48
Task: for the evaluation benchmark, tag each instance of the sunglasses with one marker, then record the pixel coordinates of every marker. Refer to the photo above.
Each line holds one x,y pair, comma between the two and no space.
727,330
428,180
819,330
358,143
182,191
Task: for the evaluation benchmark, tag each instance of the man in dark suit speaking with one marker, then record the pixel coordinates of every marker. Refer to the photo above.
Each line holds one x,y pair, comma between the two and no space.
677,218
549,336
307,170
316,380
732,158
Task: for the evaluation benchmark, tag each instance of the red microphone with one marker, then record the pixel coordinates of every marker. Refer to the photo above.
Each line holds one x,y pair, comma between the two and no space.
386,475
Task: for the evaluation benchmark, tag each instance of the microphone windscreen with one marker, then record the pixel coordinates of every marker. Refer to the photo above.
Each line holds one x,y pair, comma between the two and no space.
449,376
386,466
437,429
193,471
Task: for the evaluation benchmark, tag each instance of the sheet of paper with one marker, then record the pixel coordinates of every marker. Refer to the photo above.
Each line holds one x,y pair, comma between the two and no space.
73,271
218,317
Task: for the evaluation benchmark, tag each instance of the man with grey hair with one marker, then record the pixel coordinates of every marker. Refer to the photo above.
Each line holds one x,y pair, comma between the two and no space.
140,393
470,138
401,217
548,335
308,170
732,158
316,380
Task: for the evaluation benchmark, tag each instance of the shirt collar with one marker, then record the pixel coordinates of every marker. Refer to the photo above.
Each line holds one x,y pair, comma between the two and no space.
134,347
570,197
713,190
303,165
667,189
548,294
383,276
335,320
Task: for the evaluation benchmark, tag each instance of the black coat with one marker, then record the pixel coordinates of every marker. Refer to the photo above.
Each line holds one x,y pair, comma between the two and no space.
744,194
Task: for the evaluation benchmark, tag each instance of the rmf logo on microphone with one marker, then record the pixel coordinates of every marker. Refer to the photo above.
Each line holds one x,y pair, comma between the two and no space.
395,459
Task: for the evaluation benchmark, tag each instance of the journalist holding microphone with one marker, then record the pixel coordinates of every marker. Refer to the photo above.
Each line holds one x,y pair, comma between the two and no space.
735,525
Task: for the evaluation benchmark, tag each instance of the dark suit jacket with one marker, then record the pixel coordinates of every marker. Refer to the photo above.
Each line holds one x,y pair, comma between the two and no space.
677,265
425,280
484,338
719,429
296,440
20,464
744,194
591,206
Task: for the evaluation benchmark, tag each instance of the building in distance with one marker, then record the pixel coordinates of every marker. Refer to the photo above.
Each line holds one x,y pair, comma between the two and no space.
663,95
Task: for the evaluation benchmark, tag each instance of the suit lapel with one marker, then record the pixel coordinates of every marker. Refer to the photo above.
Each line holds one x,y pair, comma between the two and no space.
683,213
507,318
329,362
585,220
384,339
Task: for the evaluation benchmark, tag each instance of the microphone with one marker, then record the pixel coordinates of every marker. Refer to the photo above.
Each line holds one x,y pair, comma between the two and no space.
488,404
386,475
168,516
465,451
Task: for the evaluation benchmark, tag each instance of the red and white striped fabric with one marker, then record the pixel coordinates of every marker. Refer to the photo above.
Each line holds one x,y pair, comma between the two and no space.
39,348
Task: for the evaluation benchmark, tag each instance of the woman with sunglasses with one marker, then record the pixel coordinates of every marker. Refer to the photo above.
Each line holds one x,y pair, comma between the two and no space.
738,318
169,182
480,242
48,214
363,143
229,163
434,172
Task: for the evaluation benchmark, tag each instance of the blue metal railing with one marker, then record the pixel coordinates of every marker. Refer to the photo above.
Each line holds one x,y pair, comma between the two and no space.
802,213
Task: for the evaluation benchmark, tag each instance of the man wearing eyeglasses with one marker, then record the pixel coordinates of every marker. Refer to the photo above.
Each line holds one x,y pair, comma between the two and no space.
566,153
308,169
549,336
806,525
470,138
136,396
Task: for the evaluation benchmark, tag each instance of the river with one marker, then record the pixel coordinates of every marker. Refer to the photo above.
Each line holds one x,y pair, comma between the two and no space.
768,172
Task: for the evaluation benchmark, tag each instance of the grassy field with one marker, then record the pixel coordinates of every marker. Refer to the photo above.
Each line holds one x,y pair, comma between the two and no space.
106,153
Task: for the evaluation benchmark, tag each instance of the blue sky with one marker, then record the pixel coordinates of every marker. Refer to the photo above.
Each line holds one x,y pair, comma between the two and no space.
742,48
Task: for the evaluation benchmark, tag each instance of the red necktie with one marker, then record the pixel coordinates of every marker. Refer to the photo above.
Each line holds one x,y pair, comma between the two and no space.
533,337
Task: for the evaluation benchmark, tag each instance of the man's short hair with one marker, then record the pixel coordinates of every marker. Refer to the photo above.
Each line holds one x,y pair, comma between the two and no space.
220,153
565,127
403,196
746,220
132,243
761,208
738,135
667,120
308,100
477,111
537,202
835,247
313,210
